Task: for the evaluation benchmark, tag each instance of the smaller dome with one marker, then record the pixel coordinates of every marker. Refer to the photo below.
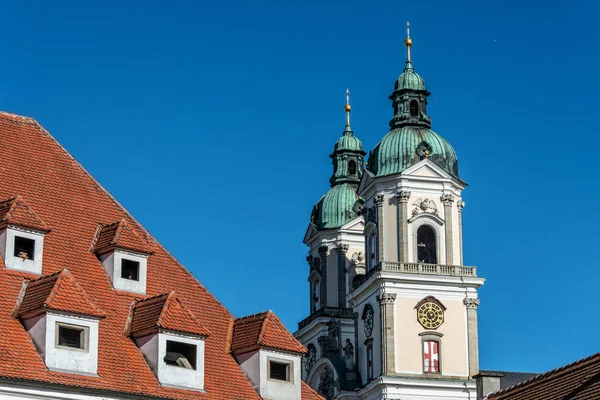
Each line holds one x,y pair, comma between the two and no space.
348,142
336,207
409,79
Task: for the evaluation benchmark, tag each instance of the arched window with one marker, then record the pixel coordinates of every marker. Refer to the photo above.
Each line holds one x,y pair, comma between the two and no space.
431,356
414,108
426,245
352,167
316,295
372,254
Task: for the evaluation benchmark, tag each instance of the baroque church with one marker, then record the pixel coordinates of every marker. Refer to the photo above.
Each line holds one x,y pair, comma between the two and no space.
393,310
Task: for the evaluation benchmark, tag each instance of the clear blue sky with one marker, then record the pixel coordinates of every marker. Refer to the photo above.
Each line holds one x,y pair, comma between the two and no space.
212,123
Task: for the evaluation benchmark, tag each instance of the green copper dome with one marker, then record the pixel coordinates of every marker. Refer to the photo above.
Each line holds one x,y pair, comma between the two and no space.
348,142
335,208
409,79
397,151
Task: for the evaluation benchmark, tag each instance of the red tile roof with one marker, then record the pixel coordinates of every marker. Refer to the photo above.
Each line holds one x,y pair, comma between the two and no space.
309,393
58,291
73,204
120,235
576,381
164,311
15,211
263,330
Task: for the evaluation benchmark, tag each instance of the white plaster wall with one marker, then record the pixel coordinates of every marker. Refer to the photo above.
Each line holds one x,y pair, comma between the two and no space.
170,375
36,327
12,262
250,363
276,389
71,360
112,264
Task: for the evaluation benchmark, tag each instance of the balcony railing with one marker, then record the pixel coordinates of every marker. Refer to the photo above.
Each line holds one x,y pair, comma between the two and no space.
326,312
417,268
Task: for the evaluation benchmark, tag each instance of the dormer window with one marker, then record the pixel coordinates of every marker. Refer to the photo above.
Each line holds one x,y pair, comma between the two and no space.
24,248
279,371
181,354
130,269
72,336
124,256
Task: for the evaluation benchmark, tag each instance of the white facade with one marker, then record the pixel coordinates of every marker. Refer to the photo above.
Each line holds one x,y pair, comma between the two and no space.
44,333
256,365
33,262
113,263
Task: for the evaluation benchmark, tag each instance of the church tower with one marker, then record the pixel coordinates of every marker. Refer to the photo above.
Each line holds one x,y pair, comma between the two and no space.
412,301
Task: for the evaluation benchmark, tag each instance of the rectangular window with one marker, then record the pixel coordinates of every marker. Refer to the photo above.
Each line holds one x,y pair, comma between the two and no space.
72,336
130,269
181,354
279,371
369,362
24,248
431,356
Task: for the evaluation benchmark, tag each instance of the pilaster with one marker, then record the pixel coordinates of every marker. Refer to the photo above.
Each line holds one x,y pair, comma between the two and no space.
379,199
472,305
460,204
447,201
402,201
341,250
386,303
323,256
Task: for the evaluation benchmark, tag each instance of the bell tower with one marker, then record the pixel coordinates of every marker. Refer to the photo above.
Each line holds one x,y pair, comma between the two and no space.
412,300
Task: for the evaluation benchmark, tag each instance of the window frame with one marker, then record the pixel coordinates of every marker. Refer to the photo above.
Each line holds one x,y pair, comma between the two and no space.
193,364
85,338
125,260
31,256
289,369
371,248
414,102
431,337
436,244
369,362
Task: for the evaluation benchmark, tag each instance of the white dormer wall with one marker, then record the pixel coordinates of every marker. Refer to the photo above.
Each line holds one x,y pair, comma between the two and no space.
7,249
43,331
112,262
256,367
154,349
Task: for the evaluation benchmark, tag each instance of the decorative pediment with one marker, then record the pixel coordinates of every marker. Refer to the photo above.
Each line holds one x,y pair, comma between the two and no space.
311,232
119,235
430,299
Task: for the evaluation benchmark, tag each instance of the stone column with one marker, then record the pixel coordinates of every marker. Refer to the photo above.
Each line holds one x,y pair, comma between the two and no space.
447,201
341,249
402,200
379,199
472,305
309,260
386,303
355,319
323,256
460,204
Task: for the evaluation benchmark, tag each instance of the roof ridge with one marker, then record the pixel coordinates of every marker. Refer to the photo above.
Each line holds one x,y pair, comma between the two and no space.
55,288
165,308
546,374
264,326
247,317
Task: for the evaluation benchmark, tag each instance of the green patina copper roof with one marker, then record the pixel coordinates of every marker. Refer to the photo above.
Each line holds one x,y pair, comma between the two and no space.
348,142
409,79
397,151
335,208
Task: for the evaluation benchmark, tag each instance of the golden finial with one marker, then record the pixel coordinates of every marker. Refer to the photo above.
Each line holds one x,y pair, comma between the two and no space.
347,108
408,40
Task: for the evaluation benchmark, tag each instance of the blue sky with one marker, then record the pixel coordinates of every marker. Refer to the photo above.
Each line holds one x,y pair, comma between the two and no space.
212,122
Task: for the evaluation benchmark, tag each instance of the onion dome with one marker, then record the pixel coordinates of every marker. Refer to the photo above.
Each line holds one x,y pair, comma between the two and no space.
335,208
410,138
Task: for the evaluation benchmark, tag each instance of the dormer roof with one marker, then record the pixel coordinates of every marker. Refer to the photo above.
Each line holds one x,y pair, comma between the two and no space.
59,292
163,311
15,211
119,235
263,330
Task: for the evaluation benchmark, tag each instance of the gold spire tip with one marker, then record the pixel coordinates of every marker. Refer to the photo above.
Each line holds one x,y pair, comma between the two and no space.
347,107
408,40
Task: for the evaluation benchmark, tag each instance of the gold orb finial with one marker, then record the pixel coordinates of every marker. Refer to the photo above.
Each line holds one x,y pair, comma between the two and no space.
408,40
347,108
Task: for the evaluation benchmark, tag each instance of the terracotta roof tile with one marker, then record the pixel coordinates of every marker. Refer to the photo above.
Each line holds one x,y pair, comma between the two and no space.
309,393
164,311
120,235
576,381
58,291
263,330
15,211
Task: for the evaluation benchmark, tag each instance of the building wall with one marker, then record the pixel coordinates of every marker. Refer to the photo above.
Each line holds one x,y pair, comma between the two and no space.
276,389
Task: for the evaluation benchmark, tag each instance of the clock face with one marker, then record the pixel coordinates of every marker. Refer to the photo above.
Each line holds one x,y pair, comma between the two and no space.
368,322
430,315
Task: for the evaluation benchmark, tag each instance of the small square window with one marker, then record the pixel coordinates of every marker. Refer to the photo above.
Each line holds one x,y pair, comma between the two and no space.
279,371
130,269
24,248
181,354
72,336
